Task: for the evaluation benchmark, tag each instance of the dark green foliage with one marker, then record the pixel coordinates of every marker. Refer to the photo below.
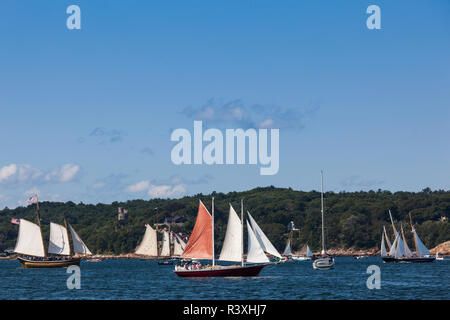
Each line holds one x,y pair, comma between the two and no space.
352,219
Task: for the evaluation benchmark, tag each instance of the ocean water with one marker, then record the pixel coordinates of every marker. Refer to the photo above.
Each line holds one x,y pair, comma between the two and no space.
137,279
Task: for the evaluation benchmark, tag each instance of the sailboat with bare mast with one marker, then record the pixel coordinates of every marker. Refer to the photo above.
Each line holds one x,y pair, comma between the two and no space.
31,249
324,261
201,246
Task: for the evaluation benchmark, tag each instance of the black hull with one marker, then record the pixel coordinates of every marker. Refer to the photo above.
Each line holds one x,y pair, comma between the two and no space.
409,260
35,264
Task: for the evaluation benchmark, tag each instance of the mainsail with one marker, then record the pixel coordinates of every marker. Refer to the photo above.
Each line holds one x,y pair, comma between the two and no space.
421,249
308,252
177,247
29,240
287,251
165,250
255,252
59,240
265,243
78,244
182,243
232,245
200,244
148,246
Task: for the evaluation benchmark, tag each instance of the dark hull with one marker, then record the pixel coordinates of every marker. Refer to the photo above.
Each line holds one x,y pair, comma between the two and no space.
231,271
409,260
49,263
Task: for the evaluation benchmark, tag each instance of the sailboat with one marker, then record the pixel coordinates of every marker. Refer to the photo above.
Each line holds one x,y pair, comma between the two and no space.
201,246
148,246
264,242
400,252
306,257
324,261
31,249
172,248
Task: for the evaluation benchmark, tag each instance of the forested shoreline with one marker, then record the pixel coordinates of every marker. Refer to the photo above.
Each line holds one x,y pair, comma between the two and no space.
353,219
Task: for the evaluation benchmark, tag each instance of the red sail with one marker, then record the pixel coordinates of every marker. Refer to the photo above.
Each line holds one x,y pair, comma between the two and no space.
200,244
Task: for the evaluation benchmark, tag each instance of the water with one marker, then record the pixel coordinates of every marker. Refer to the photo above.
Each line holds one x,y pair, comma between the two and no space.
136,279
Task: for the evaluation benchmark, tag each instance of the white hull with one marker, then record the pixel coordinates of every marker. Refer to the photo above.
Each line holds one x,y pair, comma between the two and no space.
301,258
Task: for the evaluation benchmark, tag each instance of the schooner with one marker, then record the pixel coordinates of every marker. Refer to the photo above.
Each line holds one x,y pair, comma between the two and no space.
149,244
31,249
399,250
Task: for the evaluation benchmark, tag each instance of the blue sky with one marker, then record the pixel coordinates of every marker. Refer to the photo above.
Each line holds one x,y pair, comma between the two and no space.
86,115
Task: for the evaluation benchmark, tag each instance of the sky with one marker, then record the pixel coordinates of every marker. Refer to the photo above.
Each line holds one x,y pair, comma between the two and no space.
86,115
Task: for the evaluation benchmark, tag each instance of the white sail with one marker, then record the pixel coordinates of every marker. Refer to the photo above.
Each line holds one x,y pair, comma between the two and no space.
406,251
255,252
383,247
148,245
263,240
165,250
29,240
177,248
182,243
287,251
393,247
78,244
421,249
232,245
59,240
308,252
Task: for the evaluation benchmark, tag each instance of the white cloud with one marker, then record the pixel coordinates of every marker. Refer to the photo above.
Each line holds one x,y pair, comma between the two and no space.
20,174
98,185
7,171
166,191
139,187
172,188
268,123
32,191
64,174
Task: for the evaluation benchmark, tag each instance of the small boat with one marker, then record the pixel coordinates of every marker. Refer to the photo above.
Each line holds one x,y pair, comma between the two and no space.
308,256
169,261
31,249
362,256
439,257
95,260
399,251
323,261
201,246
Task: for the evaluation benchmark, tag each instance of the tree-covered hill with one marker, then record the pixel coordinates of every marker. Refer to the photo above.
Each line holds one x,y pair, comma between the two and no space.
353,219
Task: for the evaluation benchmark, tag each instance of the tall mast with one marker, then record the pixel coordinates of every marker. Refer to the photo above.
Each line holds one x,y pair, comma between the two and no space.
404,240
392,222
213,260
387,239
242,230
68,238
321,201
157,246
414,234
170,243
40,227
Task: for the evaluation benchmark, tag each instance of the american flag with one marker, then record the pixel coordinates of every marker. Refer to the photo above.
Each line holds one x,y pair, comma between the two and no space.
33,199
15,221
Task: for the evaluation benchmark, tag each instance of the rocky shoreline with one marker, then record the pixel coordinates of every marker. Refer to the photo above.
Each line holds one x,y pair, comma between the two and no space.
443,248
